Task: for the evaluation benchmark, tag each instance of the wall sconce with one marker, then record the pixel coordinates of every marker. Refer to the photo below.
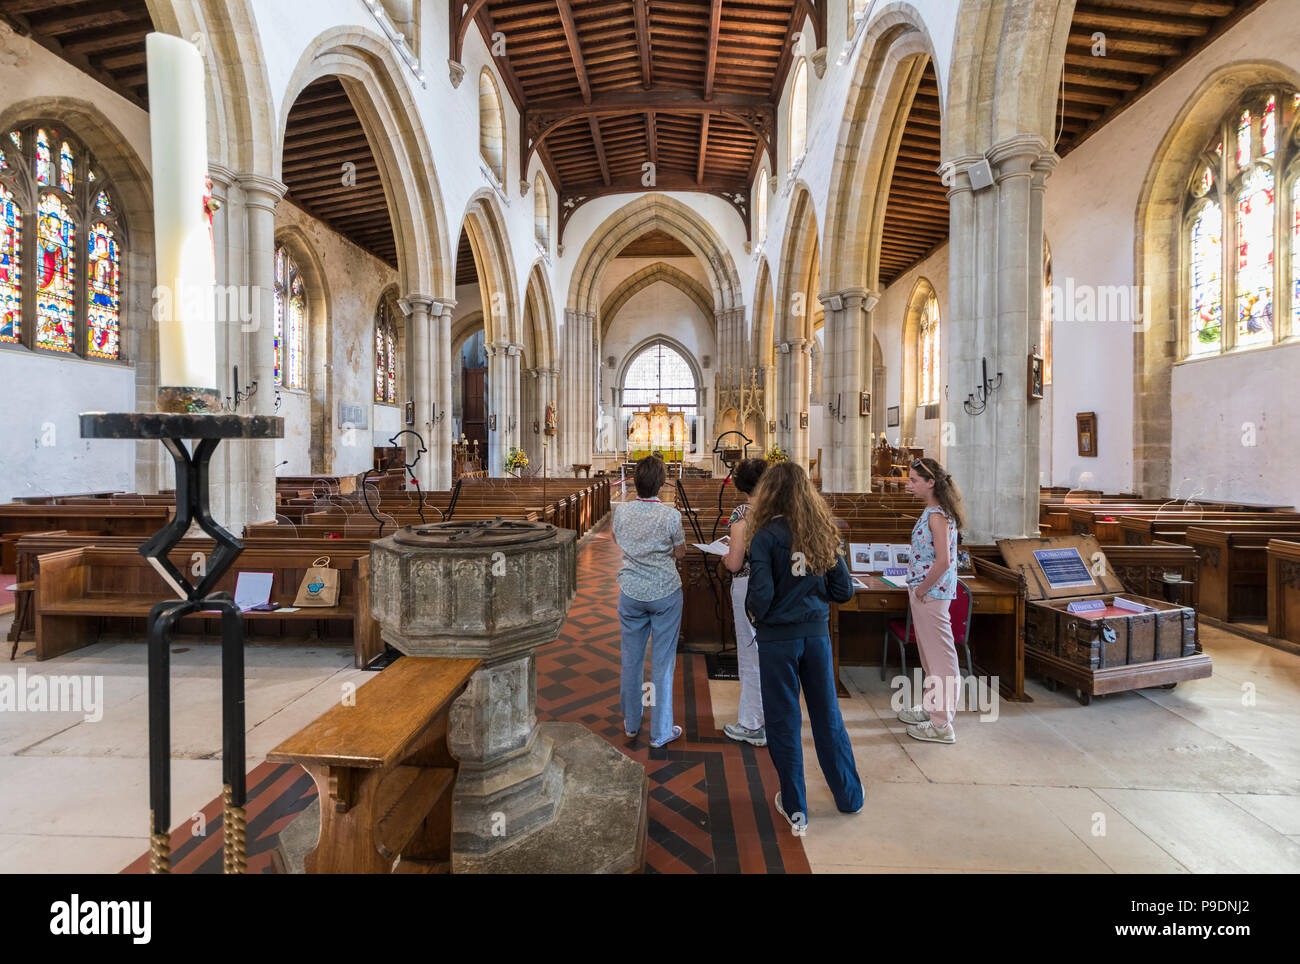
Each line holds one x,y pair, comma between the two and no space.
436,417
232,401
836,408
785,422
982,392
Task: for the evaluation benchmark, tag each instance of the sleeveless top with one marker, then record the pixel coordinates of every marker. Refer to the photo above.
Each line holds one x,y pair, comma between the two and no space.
738,513
923,556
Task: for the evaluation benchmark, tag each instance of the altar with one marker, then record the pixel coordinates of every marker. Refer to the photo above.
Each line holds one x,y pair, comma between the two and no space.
657,430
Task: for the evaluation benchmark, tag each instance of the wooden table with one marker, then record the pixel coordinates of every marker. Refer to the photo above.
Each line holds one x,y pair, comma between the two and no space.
584,467
997,641
384,772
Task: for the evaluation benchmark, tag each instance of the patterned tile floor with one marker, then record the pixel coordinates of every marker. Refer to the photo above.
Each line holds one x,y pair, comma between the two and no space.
710,798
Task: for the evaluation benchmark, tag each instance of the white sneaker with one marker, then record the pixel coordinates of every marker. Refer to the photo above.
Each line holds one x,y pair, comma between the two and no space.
796,828
930,733
914,716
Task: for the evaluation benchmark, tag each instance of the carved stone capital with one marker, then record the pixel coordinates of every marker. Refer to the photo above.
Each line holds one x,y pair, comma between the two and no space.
457,72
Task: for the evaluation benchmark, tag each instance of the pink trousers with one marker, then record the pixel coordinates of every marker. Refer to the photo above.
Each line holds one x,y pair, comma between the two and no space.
933,628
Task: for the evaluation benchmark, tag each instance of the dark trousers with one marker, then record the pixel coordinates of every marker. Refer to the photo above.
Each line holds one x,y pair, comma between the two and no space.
783,664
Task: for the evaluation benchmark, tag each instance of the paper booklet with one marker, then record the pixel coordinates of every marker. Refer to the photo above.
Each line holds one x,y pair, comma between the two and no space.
718,548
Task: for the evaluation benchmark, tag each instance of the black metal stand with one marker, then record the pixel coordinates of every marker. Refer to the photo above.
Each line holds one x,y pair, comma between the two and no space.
192,482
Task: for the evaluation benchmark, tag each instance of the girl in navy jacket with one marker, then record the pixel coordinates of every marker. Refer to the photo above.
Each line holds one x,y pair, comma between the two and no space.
796,568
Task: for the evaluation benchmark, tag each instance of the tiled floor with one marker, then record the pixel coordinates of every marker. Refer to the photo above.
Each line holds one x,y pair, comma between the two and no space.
1205,777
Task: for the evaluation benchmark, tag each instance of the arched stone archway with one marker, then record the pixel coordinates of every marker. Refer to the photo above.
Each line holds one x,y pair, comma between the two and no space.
798,279
909,381
489,242
579,387
539,375
659,271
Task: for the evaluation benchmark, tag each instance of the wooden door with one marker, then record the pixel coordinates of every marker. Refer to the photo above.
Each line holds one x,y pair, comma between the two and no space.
474,406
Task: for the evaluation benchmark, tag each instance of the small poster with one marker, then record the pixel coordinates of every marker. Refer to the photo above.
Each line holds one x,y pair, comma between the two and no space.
860,557
900,556
1064,568
879,556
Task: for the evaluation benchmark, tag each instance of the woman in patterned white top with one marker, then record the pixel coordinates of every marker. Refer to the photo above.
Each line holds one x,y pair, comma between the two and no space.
932,585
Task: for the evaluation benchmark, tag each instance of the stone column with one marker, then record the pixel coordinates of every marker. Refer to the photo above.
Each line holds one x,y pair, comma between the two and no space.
261,194
496,405
845,373
995,286
440,452
514,415
229,467
420,368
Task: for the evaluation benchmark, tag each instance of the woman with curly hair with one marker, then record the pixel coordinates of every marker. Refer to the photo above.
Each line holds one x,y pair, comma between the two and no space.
795,570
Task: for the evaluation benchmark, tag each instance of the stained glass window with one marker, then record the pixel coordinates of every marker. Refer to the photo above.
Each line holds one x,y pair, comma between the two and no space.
1206,182
65,167
798,113
1243,139
1255,258
17,138
56,269
3,162
385,355
1206,263
659,374
102,204
42,158
760,208
1268,128
11,289
103,284
930,331
290,321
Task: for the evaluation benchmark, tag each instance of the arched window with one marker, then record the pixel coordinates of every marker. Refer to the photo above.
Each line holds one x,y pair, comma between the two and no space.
385,354
1045,322
798,114
491,126
929,354
60,287
290,321
857,13
660,375
1240,271
760,207
541,212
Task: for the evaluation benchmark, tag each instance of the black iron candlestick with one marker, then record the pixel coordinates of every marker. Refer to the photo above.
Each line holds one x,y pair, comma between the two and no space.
192,505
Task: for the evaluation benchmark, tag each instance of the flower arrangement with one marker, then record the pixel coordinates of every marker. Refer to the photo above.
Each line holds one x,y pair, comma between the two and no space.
777,454
516,460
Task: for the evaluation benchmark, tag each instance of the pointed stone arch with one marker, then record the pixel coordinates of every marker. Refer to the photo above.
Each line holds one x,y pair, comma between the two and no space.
319,345
659,271
909,378
795,305
377,85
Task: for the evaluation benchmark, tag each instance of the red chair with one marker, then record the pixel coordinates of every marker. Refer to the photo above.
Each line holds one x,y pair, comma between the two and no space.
962,613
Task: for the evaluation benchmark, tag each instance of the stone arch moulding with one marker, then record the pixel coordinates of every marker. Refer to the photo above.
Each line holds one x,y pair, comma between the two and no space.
762,318
241,121
640,280
378,88
886,75
490,244
1158,267
538,295
696,371
799,252
634,219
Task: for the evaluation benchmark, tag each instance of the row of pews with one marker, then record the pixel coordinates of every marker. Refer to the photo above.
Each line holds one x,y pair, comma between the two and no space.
78,574
1244,551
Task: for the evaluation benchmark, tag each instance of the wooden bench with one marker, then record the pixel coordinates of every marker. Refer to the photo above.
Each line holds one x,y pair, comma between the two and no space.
384,772
78,590
1233,571
1284,589
16,520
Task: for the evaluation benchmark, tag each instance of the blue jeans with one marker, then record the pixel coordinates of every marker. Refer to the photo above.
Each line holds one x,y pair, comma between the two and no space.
658,621
783,664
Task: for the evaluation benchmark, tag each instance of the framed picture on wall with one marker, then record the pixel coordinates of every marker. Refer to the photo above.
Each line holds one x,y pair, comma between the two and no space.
1035,376
803,419
410,413
864,403
891,416
1086,424
771,427
492,423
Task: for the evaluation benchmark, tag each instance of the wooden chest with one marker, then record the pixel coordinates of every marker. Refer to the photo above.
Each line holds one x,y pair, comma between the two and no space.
1104,651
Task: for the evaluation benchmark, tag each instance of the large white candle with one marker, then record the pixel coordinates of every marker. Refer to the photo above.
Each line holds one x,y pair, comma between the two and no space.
183,305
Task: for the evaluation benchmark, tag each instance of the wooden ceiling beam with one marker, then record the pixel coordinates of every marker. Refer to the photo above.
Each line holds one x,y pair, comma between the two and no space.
704,147
1134,21
711,56
575,48
642,15
594,123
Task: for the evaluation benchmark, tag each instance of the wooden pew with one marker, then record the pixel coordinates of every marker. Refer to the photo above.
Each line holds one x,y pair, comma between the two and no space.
1144,531
384,772
1284,589
1233,571
78,590
141,520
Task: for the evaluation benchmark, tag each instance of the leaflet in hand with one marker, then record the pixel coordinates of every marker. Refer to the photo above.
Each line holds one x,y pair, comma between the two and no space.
719,547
